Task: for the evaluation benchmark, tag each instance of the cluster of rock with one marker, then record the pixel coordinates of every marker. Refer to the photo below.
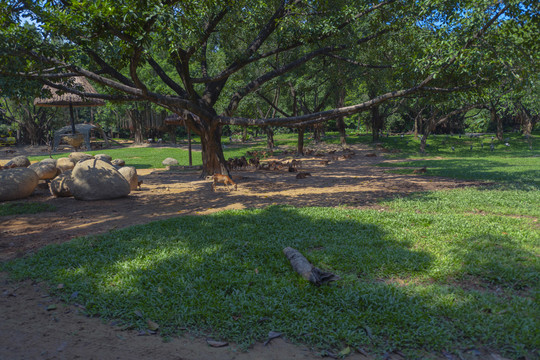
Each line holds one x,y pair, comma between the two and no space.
80,175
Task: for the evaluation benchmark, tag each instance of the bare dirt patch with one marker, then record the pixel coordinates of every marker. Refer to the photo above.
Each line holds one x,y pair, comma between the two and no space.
29,330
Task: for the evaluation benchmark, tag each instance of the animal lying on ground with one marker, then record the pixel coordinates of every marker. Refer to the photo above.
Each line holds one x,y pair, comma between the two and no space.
302,175
420,171
218,178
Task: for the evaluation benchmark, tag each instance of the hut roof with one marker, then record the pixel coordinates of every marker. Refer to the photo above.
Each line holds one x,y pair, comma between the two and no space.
174,119
62,98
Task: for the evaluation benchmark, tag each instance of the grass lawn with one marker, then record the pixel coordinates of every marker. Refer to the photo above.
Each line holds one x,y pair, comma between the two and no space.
441,271
18,208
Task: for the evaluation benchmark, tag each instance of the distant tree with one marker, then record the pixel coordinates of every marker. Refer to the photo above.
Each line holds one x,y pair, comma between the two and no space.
206,57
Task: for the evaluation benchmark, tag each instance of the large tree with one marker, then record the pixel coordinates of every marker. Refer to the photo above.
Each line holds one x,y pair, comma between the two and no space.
207,56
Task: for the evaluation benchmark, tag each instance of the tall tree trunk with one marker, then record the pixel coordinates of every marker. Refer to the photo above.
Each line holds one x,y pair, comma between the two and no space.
244,134
137,121
269,137
212,151
498,121
375,122
340,123
317,129
300,149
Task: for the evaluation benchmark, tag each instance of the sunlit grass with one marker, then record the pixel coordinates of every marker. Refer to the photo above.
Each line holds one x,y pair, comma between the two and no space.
433,280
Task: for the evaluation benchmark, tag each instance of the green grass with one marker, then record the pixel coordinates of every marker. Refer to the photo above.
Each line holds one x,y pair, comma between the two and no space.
502,169
18,208
441,146
435,280
447,270
152,157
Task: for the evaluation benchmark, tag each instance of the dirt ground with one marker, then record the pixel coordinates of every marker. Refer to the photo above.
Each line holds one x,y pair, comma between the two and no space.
28,330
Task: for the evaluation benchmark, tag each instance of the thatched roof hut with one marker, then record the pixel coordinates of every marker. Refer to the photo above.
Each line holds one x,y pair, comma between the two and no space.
61,98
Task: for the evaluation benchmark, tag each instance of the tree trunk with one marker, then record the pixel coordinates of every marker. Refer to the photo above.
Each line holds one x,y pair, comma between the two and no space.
212,152
317,129
340,123
269,137
300,149
375,122
136,118
497,120
244,134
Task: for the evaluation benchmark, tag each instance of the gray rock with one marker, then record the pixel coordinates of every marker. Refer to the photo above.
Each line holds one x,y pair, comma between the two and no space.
118,162
17,183
98,180
45,171
65,164
79,156
103,157
170,162
61,185
18,161
48,161
130,173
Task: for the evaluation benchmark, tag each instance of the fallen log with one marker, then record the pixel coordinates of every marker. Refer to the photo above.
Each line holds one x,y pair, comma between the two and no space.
309,272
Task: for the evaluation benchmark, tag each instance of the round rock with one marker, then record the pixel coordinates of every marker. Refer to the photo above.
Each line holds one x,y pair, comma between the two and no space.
77,156
170,162
65,164
17,183
61,185
98,180
49,161
18,161
118,162
45,171
130,173
103,157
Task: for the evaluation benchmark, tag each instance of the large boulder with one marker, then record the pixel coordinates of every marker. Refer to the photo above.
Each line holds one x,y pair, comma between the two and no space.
98,180
65,164
49,161
18,161
61,185
79,156
130,173
17,183
170,162
104,157
118,162
44,170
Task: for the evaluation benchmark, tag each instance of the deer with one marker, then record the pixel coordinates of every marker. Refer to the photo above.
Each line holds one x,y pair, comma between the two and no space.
219,178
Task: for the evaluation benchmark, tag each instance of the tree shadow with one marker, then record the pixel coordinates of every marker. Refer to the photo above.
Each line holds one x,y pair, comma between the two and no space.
226,275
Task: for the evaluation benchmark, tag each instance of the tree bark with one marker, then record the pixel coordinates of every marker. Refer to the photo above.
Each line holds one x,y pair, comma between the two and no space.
498,121
269,137
137,124
309,272
212,152
300,149
340,123
376,122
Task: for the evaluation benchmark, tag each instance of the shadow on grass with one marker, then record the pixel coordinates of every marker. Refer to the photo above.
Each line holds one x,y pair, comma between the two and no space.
523,170
226,275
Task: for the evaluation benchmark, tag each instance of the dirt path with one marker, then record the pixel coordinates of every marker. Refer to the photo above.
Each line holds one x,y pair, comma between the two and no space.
29,331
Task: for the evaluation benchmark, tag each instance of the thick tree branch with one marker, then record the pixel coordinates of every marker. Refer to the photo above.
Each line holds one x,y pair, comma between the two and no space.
255,84
109,69
165,78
